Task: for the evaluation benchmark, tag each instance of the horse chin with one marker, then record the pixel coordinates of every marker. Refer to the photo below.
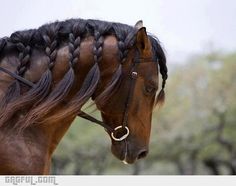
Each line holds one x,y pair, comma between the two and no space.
123,154
127,161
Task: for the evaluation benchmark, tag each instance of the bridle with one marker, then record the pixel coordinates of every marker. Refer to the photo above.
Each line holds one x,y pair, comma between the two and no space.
133,75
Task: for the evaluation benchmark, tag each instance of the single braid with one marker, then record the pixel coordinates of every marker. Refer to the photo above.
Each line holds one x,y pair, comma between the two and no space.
24,57
125,40
98,30
50,50
161,96
49,35
98,44
22,41
163,71
164,78
74,43
123,51
162,63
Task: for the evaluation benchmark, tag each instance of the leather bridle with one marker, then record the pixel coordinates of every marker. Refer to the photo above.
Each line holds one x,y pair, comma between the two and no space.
133,75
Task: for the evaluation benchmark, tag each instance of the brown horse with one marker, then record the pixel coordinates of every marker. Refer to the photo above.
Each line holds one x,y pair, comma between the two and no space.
48,74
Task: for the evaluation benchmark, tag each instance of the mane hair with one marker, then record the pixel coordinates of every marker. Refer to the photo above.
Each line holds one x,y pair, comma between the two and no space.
42,98
159,56
2,43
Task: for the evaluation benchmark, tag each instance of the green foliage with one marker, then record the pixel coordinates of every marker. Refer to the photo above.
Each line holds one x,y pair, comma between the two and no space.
194,133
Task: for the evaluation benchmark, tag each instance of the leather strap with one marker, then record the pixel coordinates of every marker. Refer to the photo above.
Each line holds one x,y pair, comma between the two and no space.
94,120
21,79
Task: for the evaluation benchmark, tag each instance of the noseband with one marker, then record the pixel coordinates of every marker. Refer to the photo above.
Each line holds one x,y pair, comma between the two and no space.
133,75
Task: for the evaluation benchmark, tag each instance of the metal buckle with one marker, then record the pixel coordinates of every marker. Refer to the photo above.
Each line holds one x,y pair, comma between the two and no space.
122,137
134,74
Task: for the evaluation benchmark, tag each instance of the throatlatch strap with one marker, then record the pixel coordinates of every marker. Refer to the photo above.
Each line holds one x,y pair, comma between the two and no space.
23,80
94,120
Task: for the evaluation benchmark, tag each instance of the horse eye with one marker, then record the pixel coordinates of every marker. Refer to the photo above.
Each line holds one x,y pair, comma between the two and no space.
150,89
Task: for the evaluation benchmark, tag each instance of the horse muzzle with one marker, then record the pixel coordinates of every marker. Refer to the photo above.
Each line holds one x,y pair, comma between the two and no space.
128,152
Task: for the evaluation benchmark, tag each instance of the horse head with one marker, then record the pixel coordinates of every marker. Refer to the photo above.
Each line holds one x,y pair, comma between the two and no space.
128,110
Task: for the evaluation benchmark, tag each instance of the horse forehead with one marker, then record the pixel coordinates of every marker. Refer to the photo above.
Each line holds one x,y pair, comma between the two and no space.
148,70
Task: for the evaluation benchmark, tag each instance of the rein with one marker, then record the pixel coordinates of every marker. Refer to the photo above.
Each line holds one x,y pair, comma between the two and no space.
133,75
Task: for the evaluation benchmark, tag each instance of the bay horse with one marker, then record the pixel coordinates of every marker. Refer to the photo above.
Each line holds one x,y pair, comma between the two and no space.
47,74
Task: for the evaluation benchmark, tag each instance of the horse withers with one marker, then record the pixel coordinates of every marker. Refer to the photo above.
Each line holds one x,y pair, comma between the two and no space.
48,74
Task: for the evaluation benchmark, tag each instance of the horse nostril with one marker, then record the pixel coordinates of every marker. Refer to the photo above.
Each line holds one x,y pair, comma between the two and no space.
142,154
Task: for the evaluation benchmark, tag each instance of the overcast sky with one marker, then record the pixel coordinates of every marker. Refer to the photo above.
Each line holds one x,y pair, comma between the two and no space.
184,27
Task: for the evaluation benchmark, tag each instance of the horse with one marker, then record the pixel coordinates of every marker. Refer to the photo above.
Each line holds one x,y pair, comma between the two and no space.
47,74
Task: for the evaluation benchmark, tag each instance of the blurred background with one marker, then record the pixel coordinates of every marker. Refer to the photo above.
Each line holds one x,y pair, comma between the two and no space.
195,131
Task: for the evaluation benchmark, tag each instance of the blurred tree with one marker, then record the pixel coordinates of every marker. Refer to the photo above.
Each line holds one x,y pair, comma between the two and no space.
196,127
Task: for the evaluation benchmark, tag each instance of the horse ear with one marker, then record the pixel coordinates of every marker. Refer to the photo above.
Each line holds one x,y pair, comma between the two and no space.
142,40
139,24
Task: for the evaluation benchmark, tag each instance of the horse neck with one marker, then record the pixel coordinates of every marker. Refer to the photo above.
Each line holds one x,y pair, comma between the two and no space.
63,111
107,66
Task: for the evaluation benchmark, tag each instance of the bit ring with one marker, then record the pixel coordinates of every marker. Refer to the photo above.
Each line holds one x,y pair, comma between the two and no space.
122,137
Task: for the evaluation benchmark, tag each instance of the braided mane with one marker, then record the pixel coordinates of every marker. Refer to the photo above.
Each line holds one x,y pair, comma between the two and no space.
42,99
